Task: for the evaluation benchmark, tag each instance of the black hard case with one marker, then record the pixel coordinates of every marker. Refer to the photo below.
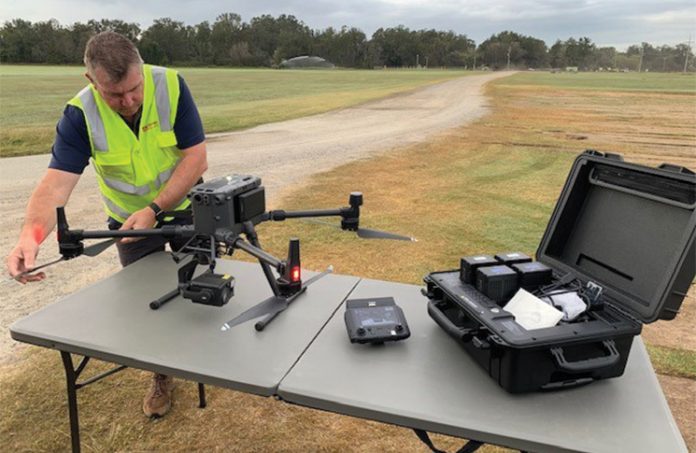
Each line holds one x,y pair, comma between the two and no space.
629,228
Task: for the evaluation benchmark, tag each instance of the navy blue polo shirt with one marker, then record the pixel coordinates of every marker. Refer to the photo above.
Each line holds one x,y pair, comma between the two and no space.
71,150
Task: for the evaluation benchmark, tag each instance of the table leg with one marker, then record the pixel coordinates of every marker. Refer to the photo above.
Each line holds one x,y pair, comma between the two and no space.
201,396
72,374
469,447
71,378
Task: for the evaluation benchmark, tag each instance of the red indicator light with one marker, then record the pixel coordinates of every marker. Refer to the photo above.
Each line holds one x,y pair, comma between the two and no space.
295,274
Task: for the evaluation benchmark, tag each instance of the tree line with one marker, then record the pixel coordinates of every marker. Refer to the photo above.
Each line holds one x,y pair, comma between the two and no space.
267,41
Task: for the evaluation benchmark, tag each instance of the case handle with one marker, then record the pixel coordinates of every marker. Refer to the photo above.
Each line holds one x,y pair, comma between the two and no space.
587,364
460,333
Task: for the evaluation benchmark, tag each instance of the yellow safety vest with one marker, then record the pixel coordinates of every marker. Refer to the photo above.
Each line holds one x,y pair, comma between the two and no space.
132,170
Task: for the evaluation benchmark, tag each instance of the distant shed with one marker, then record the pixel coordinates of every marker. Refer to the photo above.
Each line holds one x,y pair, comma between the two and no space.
306,62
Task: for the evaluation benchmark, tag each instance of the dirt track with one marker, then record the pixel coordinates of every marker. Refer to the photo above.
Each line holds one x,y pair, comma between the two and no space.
282,154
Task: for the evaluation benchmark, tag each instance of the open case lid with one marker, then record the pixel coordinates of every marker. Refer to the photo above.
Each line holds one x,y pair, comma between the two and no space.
629,228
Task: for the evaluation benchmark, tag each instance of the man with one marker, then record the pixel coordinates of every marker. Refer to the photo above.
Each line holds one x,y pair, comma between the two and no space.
141,128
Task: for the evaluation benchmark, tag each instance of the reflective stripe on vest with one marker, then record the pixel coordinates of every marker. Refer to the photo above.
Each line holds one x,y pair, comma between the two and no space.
96,125
163,177
116,209
159,77
124,187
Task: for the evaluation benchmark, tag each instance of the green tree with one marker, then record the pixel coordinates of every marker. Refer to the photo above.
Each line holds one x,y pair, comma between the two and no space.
397,46
605,57
224,35
347,48
513,48
294,38
166,42
201,45
557,56
17,38
55,45
127,29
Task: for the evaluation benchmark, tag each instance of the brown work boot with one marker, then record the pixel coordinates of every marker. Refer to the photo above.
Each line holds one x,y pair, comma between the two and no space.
159,399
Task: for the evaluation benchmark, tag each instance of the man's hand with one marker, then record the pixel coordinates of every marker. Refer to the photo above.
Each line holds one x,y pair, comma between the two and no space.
22,259
145,218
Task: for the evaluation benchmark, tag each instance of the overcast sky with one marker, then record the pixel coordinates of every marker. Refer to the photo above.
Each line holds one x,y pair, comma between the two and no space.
608,23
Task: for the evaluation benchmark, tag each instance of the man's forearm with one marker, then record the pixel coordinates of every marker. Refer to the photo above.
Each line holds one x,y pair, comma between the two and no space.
53,191
187,173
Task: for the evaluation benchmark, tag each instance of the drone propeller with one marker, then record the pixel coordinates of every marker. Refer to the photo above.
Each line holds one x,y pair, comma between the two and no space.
95,249
30,271
367,233
91,251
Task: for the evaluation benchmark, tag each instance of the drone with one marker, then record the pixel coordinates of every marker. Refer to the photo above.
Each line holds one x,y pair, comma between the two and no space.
225,212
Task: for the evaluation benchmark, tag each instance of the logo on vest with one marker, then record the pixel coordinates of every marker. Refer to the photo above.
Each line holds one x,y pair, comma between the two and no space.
149,126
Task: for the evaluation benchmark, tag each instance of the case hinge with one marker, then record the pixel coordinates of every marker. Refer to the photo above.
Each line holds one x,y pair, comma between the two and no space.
623,312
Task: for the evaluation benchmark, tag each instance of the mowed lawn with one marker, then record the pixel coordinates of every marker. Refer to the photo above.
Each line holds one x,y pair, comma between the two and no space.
609,81
32,98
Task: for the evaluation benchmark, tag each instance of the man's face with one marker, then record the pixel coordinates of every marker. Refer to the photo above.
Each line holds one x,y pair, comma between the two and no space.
124,97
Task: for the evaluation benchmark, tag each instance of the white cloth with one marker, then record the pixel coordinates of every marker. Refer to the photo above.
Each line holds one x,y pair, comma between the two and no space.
571,304
531,312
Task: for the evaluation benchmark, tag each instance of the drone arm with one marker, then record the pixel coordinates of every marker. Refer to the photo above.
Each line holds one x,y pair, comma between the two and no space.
350,215
167,231
280,215
70,241
66,235
235,241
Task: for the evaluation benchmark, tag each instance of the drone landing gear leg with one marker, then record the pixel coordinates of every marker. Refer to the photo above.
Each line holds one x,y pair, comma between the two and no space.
185,274
253,238
286,301
157,303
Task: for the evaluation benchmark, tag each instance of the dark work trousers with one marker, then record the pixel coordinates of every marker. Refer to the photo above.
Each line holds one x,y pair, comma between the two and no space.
131,252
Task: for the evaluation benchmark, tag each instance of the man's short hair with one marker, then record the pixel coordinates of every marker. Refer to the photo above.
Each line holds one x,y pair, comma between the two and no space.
113,52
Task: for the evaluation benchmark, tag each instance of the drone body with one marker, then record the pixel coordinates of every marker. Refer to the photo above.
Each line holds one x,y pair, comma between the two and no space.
226,203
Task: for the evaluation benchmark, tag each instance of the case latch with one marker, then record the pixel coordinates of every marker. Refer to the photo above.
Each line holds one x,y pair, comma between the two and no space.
675,169
593,152
614,156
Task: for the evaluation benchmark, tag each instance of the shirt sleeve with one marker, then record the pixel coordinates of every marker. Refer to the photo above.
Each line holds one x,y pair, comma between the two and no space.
187,126
71,149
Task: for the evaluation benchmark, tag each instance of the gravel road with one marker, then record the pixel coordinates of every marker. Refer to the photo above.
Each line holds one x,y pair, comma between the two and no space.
282,154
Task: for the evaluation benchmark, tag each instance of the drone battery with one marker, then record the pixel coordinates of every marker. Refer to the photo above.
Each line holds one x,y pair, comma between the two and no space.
512,258
375,320
499,283
469,265
210,289
251,204
533,275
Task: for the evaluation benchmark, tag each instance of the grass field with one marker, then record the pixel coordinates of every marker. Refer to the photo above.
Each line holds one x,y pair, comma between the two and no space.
609,81
33,97
486,187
